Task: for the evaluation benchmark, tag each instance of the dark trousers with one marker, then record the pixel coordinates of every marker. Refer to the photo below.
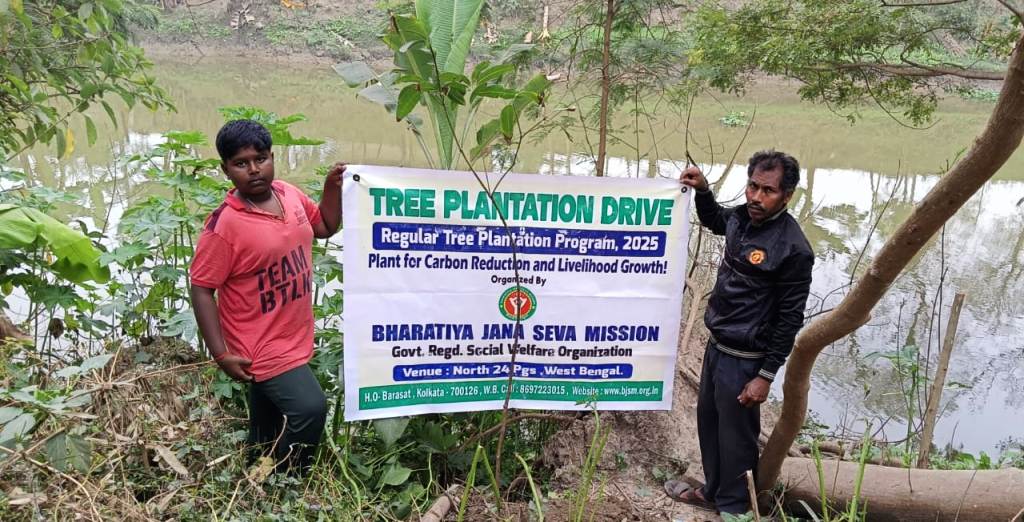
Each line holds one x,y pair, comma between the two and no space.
293,403
728,431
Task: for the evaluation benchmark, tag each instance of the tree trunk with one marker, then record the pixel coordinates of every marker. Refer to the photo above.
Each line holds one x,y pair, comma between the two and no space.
938,495
1000,138
931,412
605,88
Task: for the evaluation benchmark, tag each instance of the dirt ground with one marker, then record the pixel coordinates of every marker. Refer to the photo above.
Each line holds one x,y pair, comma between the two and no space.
644,449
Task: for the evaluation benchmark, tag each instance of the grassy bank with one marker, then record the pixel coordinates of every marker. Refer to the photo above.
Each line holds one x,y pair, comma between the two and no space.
339,31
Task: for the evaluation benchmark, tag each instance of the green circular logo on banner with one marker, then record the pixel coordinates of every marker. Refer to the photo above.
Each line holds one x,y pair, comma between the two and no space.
517,301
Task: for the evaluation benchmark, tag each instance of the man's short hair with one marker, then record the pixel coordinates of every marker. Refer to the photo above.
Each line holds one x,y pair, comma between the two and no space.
239,134
771,159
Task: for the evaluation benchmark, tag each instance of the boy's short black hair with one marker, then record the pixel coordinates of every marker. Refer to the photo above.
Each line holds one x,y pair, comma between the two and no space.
239,134
771,159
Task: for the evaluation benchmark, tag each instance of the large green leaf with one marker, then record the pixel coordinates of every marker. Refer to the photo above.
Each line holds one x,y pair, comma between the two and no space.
129,254
181,324
407,100
390,430
440,22
419,61
396,475
77,259
425,11
444,119
66,452
381,95
415,59
485,135
430,50
491,91
452,24
494,73
96,362
17,428
354,73
508,121
90,130
466,16
9,413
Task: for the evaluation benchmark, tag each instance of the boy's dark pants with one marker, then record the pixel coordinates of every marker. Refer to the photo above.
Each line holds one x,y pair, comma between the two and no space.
295,395
727,430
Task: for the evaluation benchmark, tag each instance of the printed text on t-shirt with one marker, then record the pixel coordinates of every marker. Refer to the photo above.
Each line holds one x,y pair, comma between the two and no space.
284,281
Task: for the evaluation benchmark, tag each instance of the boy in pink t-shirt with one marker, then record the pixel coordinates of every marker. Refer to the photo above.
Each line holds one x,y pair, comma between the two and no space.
252,287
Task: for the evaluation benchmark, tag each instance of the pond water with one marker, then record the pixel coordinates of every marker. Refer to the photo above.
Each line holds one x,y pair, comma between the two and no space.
854,176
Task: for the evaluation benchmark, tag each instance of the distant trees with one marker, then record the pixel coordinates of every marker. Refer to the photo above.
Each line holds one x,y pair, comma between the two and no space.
57,59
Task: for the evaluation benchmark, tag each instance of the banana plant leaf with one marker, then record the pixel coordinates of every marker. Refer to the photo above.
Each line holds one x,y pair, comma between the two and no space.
452,24
76,258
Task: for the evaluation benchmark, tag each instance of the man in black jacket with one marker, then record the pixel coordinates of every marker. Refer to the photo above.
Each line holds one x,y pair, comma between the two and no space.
753,314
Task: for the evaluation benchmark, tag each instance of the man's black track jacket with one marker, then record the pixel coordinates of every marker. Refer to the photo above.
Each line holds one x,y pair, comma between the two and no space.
757,306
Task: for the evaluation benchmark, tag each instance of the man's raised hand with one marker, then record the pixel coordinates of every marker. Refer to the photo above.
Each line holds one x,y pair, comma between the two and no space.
692,177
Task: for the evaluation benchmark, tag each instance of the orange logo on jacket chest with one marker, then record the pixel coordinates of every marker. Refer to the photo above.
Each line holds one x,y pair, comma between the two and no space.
756,257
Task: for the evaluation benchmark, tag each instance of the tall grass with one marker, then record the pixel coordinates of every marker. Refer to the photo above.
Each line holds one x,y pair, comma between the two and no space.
856,509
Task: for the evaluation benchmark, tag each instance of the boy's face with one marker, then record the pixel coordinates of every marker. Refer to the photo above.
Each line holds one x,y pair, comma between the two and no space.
251,171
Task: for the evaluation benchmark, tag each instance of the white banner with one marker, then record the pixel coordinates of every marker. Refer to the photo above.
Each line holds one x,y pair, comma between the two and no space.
433,311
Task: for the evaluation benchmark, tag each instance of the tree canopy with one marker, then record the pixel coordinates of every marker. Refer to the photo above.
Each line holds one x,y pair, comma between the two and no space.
57,58
900,56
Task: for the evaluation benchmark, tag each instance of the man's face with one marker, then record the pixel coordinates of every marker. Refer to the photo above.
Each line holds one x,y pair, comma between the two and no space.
251,171
765,196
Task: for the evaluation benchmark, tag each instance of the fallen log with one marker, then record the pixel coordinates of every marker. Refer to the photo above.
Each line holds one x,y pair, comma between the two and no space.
444,503
912,495
825,446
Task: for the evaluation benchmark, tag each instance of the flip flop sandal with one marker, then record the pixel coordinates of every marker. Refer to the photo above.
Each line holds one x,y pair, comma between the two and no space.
681,491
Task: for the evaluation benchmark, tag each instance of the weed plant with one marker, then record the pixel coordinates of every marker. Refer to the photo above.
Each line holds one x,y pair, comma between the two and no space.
180,24
338,38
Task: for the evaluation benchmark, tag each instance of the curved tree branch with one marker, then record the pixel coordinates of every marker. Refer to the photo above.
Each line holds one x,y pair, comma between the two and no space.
997,142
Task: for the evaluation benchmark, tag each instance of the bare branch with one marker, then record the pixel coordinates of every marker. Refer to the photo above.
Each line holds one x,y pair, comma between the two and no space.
911,69
961,72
